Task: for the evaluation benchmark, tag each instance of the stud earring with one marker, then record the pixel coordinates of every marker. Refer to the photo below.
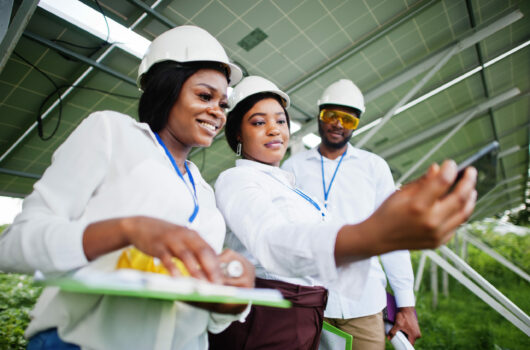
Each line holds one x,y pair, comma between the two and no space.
238,149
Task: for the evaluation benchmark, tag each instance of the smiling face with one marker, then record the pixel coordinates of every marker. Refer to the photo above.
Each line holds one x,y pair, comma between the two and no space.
265,132
334,135
198,114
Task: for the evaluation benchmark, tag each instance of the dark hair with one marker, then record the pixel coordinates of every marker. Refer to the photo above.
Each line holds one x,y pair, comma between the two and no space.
161,87
234,118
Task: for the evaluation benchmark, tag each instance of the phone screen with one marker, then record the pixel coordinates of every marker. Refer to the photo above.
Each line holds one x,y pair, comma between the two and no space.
485,161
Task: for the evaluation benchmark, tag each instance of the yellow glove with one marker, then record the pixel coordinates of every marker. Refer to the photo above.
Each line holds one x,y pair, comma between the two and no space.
132,258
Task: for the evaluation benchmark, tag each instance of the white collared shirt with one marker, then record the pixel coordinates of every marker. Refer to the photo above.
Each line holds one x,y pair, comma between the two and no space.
362,183
282,233
110,166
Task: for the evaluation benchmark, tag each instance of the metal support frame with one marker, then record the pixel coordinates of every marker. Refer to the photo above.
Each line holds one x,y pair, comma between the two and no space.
6,7
444,57
470,38
435,148
19,173
153,13
500,194
17,26
410,142
93,63
497,186
471,16
485,213
492,253
488,287
67,92
460,277
434,284
419,272
509,151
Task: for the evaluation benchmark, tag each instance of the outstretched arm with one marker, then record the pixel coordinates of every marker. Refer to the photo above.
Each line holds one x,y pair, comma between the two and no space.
422,215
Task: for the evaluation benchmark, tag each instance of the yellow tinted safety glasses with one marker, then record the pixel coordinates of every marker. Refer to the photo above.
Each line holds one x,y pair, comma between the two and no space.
347,120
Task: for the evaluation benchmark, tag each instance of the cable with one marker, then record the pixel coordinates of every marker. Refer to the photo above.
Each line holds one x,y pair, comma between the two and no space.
57,92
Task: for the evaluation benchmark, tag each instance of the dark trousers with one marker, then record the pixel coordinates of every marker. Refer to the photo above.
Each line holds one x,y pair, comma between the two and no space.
296,328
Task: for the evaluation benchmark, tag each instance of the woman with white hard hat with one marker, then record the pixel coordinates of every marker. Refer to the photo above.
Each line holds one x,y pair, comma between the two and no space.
289,236
116,183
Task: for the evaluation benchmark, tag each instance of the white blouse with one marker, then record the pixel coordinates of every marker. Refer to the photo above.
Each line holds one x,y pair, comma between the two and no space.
111,166
281,232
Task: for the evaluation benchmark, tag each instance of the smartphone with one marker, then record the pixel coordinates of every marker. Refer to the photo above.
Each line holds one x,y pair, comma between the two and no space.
485,161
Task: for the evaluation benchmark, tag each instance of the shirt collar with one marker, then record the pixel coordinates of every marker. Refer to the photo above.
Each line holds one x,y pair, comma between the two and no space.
352,152
275,171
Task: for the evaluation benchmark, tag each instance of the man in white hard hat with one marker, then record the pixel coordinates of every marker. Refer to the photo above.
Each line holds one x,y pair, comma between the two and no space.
352,183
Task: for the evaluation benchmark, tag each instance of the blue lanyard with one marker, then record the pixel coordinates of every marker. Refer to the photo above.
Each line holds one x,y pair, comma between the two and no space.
303,195
326,192
194,192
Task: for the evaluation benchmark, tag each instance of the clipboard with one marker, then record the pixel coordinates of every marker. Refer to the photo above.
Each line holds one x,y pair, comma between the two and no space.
138,284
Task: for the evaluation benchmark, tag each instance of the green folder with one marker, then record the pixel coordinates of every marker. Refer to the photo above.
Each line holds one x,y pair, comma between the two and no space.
346,338
161,287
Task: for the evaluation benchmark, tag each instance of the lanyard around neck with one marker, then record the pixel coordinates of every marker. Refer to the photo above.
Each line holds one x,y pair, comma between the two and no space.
301,194
326,191
194,192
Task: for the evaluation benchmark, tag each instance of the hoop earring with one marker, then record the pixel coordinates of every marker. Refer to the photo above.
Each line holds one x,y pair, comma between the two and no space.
238,149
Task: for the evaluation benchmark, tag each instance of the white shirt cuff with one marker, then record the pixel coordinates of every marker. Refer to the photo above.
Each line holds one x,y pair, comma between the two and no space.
404,298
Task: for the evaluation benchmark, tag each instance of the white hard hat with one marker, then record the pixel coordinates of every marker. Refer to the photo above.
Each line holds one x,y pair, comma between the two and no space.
253,85
187,44
343,93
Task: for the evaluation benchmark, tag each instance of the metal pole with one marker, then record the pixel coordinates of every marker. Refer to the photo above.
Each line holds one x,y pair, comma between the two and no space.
434,284
419,272
478,292
435,148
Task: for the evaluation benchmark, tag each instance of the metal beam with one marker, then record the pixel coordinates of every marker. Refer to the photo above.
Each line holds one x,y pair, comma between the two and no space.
482,282
502,193
497,186
491,252
70,89
19,173
93,63
505,205
509,151
466,282
470,38
484,209
442,142
17,26
6,7
447,54
169,23
447,124
471,16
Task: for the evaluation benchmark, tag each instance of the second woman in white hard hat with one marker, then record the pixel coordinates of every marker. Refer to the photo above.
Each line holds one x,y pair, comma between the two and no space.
116,183
290,237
